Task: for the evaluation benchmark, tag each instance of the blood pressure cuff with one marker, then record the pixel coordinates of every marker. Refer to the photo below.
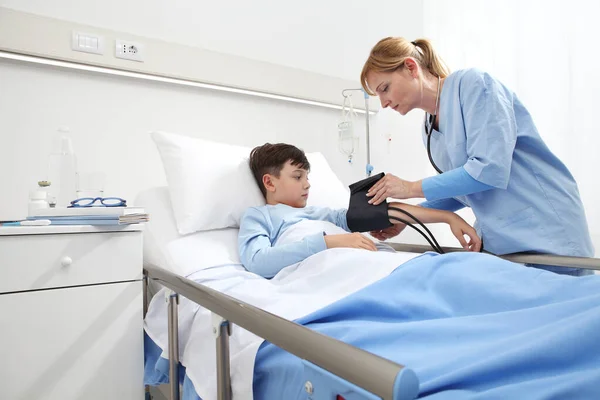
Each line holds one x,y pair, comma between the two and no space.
362,216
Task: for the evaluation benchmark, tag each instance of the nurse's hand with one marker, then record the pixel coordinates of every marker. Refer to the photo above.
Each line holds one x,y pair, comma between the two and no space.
389,232
392,186
460,228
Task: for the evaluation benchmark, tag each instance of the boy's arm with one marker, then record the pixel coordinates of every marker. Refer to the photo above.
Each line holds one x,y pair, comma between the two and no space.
257,253
337,217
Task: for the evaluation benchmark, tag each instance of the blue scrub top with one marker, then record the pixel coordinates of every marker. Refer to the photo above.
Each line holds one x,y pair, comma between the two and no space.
534,204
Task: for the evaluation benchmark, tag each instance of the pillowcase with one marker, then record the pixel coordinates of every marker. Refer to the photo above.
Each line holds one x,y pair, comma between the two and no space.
183,255
211,184
326,189
202,250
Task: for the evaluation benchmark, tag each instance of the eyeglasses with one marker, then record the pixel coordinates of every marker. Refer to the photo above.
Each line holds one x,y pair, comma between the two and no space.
105,201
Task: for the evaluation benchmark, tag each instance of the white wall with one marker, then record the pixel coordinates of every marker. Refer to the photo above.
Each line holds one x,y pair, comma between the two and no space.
330,37
110,116
535,53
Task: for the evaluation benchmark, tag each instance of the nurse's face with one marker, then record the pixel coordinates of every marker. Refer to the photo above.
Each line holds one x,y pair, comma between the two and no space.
400,90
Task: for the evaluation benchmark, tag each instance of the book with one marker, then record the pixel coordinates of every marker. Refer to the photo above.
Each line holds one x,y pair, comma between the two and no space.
87,222
95,219
77,211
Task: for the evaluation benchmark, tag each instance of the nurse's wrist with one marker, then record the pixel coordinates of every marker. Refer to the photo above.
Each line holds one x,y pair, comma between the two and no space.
416,189
449,217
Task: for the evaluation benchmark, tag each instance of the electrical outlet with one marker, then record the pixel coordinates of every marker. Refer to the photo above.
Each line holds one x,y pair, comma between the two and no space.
133,51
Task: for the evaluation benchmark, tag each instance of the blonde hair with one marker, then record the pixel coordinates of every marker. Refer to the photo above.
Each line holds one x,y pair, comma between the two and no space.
389,54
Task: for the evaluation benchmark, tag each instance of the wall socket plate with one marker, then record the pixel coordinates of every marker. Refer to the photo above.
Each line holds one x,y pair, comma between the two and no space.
127,50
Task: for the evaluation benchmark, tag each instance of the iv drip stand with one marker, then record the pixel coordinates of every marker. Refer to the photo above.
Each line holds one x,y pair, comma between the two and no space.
369,167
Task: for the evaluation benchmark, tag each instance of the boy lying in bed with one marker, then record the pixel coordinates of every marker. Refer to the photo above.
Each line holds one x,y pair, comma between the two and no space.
281,171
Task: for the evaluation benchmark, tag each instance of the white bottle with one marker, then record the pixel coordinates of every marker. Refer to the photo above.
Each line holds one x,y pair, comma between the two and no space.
62,170
37,201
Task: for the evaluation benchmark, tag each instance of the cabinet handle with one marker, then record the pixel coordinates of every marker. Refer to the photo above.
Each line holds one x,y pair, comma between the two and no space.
66,261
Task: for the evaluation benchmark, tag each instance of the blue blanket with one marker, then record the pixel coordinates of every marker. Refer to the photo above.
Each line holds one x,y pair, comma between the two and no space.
470,325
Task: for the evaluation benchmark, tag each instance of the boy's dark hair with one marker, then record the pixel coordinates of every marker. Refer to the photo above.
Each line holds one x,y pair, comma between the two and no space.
271,158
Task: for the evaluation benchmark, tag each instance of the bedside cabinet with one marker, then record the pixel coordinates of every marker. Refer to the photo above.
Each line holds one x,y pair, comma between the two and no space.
71,324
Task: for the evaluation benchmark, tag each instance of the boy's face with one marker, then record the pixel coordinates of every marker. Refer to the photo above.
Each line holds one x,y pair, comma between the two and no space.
290,188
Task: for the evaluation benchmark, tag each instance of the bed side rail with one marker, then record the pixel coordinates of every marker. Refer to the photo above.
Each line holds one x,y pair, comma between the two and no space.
522,258
383,378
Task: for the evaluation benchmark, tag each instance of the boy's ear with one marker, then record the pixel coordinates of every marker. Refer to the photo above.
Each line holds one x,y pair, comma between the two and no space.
267,181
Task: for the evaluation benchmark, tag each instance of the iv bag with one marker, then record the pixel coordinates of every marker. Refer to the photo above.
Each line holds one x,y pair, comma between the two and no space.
347,141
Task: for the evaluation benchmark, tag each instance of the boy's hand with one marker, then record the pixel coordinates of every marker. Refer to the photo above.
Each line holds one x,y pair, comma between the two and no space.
389,232
351,240
460,228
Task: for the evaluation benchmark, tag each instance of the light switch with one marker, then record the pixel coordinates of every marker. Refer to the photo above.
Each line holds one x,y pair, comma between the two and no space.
87,42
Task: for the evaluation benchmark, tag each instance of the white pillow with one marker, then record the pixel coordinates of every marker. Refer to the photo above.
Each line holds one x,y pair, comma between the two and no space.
202,250
184,255
326,190
211,184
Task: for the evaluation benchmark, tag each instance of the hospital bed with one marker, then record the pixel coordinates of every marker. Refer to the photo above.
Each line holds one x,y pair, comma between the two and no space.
326,367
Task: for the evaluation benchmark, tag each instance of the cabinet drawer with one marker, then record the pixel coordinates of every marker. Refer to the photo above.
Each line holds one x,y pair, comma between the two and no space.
49,261
73,343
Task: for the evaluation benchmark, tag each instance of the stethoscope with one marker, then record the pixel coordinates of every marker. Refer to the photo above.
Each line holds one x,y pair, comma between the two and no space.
430,129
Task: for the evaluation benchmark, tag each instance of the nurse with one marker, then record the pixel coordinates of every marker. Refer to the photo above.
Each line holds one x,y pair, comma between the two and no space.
489,155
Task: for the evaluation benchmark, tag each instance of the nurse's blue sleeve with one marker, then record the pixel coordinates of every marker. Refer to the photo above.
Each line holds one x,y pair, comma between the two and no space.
257,253
490,126
443,204
456,182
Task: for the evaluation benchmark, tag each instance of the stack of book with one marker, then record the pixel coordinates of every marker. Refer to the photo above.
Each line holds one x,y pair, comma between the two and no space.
91,215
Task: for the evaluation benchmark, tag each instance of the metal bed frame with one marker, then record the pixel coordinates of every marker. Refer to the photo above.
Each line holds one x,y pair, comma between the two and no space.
361,370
